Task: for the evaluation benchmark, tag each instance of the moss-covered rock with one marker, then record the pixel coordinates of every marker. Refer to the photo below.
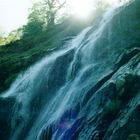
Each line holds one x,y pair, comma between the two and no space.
133,137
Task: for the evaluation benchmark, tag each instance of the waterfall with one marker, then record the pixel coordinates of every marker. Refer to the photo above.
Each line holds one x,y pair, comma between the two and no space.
52,95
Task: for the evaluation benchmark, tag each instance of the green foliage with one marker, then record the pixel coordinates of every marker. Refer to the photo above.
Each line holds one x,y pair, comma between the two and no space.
32,28
20,54
45,16
50,10
2,40
13,36
42,14
33,41
35,22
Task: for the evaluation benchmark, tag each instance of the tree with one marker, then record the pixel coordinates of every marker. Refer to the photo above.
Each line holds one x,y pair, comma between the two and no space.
41,14
35,21
51,9
13,36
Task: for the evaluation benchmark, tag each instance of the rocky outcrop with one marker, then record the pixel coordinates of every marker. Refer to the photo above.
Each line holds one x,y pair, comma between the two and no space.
118,105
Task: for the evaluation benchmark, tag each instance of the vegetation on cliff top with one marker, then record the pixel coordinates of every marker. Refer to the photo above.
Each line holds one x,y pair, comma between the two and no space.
26,45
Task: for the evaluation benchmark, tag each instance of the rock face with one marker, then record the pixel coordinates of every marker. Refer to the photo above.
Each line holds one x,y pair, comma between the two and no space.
89,90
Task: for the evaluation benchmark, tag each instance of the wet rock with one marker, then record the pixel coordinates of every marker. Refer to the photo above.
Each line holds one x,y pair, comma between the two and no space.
6,111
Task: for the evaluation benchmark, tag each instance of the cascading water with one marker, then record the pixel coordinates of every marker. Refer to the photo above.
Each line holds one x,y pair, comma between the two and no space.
52,97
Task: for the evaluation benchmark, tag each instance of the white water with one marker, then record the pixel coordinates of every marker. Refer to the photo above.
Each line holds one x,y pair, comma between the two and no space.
82,72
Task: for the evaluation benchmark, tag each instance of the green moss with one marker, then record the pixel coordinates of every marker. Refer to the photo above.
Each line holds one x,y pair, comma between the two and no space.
120,86
111,109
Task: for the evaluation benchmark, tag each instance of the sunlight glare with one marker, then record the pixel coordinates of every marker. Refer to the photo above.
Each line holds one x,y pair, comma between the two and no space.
81,8
116,2
110,2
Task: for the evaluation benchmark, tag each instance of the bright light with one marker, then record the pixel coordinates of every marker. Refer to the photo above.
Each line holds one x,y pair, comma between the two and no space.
110,2
116,2
13,14
81,8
